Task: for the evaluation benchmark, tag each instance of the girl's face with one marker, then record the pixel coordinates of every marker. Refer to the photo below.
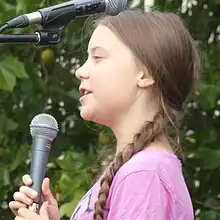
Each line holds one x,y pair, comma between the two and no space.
108,78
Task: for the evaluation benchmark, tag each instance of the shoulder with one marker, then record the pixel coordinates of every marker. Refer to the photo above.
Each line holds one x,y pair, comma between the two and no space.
149,182
146,167
150,161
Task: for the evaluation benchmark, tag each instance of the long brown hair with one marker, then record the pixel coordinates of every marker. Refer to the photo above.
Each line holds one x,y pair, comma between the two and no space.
162,43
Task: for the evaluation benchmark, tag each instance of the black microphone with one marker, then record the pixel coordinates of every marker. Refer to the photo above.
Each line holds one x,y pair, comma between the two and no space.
43,129
70,9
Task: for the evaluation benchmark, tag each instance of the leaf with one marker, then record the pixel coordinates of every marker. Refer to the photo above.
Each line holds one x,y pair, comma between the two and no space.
21,7
208,95
68,208
10,68
211,201
10,8
26,5
20,158
11,125
13,65
209,159
6,124
210,215
74,94
67,162
4,177
7,81
6,6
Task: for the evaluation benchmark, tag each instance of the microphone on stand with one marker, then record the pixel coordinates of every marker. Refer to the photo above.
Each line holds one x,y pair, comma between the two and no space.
55,18
70,10
43,129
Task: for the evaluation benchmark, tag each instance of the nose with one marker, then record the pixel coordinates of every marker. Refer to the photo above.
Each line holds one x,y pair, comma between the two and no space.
82,72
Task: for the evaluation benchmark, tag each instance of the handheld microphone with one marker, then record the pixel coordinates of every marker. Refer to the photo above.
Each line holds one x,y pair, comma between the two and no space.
70,9
43,129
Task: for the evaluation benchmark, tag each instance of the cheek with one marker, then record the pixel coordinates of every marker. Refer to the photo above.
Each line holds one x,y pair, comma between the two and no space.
113,84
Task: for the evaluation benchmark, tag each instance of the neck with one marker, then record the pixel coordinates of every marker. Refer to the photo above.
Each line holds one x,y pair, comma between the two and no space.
131,122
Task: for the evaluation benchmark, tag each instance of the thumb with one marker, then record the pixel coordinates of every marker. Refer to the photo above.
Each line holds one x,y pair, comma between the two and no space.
44,210
47,194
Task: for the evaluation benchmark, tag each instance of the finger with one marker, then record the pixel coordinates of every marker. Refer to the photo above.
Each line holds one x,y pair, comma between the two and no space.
15,205
27,214
20,197
44,210
28,192
26,179
47,194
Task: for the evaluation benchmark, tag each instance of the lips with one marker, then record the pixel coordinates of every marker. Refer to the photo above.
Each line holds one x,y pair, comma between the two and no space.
84,91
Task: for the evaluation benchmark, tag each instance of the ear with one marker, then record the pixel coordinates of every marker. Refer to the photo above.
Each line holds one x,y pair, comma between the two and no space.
144,79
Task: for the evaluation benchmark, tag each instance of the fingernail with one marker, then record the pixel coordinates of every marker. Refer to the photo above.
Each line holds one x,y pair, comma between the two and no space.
29,201
34,194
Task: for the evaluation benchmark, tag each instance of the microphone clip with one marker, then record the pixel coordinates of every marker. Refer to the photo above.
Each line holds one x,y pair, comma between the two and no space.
48,37
53,27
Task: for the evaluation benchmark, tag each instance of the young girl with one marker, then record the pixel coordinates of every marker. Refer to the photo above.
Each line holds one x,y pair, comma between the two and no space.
140,70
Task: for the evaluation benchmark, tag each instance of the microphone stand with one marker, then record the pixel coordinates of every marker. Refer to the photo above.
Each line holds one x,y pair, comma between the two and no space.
19,38
41,37
49,35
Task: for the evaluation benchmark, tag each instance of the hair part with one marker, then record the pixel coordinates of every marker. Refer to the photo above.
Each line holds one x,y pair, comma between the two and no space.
162,44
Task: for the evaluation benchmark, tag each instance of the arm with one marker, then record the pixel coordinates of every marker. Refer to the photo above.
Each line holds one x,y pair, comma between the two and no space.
140,196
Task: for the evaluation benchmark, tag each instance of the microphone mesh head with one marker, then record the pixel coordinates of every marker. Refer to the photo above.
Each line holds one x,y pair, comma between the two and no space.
113,7
44,125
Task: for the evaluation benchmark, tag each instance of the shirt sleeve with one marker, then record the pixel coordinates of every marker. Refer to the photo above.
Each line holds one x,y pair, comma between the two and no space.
139,196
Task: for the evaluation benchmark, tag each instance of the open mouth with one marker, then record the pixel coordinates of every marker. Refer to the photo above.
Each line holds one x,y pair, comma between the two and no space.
85,92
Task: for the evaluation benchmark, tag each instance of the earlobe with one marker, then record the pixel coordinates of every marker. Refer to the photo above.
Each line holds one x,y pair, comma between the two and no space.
144,80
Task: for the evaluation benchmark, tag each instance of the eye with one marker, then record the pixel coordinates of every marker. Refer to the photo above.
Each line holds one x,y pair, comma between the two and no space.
96,58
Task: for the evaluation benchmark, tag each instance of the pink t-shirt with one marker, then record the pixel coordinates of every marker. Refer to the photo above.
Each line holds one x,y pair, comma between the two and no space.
150,186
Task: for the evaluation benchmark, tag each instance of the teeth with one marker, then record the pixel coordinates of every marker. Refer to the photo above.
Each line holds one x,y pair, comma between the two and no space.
86,92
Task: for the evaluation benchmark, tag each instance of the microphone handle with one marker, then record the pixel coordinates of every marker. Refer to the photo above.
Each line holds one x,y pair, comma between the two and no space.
40,153
34,207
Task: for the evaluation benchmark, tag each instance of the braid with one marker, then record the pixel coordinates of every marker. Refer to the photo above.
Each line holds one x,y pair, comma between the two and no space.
149,132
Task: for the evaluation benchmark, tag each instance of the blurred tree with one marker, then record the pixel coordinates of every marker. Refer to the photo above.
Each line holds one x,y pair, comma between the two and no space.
41,79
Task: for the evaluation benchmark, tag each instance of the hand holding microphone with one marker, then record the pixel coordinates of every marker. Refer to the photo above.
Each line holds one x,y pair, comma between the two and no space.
35,194
48,209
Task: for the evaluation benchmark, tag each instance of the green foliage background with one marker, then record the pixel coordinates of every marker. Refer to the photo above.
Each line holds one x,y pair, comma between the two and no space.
41,79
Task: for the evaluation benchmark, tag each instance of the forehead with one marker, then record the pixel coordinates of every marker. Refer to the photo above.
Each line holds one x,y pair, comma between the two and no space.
104,37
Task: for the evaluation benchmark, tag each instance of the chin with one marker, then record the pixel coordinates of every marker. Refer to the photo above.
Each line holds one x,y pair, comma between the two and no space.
90,114
86,113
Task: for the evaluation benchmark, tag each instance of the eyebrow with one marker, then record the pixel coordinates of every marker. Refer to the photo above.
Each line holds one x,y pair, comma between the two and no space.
97,47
